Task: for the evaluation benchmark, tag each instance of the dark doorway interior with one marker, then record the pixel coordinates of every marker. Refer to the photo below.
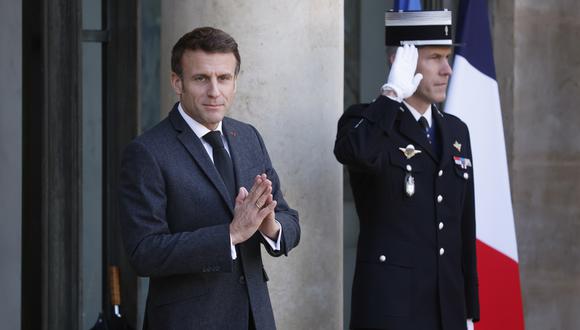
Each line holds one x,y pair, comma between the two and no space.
80,107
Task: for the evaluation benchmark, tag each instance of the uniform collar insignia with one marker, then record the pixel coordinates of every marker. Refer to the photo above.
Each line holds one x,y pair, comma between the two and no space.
457,146
410,151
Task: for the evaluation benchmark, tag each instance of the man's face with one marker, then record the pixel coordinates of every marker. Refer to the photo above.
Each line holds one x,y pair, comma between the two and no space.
207,87
433,63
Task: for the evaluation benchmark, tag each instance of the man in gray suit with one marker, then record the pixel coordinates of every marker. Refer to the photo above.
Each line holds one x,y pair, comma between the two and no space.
198,197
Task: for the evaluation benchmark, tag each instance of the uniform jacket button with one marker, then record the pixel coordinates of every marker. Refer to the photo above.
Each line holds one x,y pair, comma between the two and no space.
382,258
441,225
441,251
409,168
439,199
440,173
242,279
466,175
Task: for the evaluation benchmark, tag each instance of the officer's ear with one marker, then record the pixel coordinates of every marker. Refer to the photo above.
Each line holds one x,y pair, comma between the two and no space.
391,52
177,83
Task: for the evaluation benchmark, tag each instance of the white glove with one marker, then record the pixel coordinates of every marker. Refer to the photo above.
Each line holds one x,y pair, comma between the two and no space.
470,324
402,78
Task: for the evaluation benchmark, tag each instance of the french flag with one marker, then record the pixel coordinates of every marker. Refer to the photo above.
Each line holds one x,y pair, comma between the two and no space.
473,96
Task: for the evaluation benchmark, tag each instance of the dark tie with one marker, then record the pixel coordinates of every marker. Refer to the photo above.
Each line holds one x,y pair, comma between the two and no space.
426,129
222,160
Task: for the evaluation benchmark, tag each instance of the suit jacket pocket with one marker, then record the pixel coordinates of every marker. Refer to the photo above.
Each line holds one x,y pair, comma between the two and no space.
414,164
396,172
169,289
386,251
384,276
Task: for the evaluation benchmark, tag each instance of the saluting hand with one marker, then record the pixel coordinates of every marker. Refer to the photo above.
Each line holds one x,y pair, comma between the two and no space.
403,80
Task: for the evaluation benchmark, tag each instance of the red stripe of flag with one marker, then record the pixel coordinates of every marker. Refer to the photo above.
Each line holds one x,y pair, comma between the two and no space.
499,290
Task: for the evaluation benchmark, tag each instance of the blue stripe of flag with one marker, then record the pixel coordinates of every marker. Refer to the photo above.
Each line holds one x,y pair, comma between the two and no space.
407,5
473,32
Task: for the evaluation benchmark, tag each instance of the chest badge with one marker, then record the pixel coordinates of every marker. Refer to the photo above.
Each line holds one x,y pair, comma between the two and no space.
457,146
409,184
410,151
464,163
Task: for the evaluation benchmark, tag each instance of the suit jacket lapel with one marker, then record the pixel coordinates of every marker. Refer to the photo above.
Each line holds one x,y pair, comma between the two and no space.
194,146
236,145
409,127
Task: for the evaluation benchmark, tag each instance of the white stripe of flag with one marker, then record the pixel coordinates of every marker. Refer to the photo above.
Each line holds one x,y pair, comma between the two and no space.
473,96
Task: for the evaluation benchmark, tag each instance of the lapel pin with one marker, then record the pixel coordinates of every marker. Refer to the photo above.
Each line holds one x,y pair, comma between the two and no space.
457,146
410,151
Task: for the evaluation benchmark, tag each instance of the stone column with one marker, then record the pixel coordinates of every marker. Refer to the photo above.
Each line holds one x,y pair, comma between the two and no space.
537,59
546,160
291,88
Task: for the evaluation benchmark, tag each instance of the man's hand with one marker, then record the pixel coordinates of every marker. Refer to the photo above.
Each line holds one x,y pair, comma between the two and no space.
470,324
251,209
402,78
270,226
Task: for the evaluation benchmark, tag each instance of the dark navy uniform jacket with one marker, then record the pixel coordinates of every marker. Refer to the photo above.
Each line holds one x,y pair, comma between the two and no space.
416,262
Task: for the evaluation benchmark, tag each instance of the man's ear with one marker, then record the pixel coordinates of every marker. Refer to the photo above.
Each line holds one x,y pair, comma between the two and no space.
392,58
176,83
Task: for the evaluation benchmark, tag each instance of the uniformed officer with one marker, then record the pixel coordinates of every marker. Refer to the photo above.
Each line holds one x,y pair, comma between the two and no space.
412,178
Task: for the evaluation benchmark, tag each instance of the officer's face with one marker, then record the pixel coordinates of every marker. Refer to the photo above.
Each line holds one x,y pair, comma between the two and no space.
207,87
433,63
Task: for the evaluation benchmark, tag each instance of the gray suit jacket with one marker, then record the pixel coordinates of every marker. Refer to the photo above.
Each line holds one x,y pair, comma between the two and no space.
175,216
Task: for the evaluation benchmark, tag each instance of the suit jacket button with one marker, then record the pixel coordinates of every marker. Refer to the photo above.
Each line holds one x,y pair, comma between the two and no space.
441,225
242,280
382,258
466,175
439,199
441,251
409,168
440,173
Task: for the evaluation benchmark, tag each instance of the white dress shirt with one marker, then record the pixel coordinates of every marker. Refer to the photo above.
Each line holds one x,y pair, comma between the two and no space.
416,114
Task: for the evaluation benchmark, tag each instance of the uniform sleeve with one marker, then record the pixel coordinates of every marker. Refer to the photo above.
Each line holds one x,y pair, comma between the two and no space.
469,249
359,132
152,248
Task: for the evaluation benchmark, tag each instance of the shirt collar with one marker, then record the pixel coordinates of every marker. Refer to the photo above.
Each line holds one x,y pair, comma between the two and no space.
416,114
195,126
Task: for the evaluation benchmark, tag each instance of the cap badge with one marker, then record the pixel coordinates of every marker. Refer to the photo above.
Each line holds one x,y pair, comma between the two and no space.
410,151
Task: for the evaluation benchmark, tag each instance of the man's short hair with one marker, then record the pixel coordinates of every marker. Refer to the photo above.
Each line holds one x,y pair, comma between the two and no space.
207,39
